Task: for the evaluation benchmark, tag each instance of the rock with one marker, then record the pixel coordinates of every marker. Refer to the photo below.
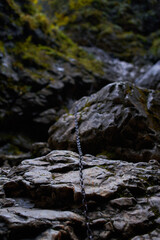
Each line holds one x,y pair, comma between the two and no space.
50,235
151,79
35,76
154,235
6,202
39,149
7,70
127,30
121,121
13,160
46,117
116,70
123,202
14,147
28,223
42,72
3,180
45,198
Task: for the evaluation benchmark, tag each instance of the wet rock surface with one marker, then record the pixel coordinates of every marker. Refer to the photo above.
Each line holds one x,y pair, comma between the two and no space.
43,198
121,121
151,79
119,71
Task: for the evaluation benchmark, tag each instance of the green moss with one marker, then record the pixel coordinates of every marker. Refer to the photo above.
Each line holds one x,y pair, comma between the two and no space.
156,212
14,150
53,52
72,51
29,13
61,19
32,54
36,75
14,6
119,27
28,6
42,55
18,64
2,48
108,29
153,117
108,154
155,47
18,89
78,4
87,105
38,20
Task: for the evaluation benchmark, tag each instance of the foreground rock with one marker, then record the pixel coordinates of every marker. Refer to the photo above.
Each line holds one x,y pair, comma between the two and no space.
23,223
121,121
44,199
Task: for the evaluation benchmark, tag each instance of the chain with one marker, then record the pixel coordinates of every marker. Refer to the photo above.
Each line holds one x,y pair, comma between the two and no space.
84,201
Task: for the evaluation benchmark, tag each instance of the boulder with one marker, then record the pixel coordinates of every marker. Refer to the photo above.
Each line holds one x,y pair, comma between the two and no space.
121,121
43,198
39,149
151,79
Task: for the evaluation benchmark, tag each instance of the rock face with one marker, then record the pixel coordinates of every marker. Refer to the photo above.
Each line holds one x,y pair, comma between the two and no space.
123,199
37,76
125,29
121,121
151,79
116,70
42,71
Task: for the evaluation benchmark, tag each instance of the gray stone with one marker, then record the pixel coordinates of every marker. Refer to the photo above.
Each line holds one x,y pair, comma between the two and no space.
151,79
123,202
13,160
121,121
40,149
44,198
116,70
28,223
46,117
154,235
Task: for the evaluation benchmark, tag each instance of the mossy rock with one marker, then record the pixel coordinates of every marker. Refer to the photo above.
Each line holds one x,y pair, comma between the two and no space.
108,24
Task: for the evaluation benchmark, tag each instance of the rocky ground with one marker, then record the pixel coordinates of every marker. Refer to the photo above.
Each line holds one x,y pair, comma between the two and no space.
43,76
43,198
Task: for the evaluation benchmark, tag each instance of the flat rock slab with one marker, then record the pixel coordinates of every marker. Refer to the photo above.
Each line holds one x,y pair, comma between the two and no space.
44,198
25,223
121,121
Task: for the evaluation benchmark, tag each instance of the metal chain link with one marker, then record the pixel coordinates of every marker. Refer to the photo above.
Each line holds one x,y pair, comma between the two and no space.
84,201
